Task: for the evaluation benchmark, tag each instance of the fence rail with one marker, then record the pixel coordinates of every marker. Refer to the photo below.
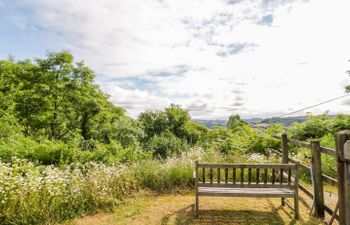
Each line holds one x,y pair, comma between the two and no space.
315,169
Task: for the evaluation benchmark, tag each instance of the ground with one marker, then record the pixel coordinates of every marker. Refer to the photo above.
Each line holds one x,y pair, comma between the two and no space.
178,210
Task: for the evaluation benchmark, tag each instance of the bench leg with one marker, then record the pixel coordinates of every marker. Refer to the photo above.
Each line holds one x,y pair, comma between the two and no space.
197,204
296,207
282,202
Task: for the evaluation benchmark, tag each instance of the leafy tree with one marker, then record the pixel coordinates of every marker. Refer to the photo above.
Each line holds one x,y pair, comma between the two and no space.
177,118
235,122
153,123
52,97
314,127
194,132
276,128
166,145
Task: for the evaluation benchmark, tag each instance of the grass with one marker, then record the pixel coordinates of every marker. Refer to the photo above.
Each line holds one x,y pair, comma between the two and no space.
178,210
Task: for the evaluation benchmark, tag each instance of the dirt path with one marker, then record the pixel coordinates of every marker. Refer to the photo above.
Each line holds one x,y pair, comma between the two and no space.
178,210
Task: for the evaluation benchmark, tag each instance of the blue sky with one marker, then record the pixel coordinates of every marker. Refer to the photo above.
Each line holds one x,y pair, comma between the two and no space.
213,57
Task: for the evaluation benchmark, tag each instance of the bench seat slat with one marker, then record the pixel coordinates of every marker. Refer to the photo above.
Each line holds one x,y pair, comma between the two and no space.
245,185
244,192
232,165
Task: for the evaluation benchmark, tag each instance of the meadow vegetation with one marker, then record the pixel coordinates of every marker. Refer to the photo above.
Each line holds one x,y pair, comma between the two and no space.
67,151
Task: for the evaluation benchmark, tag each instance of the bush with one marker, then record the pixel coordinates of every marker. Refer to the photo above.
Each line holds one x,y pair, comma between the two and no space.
45,152
314,127
173,174
33,194
166,145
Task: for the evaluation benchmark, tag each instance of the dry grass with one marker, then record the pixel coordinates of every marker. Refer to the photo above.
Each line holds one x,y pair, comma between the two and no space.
178,210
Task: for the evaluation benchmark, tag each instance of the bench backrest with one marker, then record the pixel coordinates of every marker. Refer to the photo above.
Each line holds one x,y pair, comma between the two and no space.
246,175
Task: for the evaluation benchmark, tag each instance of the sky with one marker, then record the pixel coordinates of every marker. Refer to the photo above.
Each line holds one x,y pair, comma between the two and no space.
215,58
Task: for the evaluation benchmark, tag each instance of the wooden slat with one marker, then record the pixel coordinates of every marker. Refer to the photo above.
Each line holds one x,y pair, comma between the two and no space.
325,177
234,175
328,151
249,175
281,176
329,180
276,136
242,175
226,175
229,165
246,185
333,213
257,176
303,166
324,150
330,212
211,175
246,192
341,138
306,191
299,143
289,176
219,175
288,204
316,177
203,174
265,175
273,176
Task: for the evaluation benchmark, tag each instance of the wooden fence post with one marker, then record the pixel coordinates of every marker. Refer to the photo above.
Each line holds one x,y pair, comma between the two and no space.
317,179
284,155
284,148
347,181
341,138
196,188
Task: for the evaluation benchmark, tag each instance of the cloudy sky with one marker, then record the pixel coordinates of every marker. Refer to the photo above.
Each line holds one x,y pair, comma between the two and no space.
213,57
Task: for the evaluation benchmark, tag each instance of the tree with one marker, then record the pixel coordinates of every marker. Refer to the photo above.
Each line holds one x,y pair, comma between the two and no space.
53,97
153,123
167,144
177,118
194,132
235,122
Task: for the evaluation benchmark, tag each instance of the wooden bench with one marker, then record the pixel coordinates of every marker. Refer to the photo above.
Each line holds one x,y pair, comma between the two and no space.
247,180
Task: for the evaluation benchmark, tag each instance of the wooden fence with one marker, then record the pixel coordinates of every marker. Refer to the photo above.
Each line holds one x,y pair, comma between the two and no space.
342,155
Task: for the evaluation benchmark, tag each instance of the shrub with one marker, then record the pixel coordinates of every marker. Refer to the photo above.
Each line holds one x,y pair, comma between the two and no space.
314,127
33,194
173,174
167,144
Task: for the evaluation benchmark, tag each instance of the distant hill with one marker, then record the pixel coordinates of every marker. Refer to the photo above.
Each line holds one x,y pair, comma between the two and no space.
212,123
286,121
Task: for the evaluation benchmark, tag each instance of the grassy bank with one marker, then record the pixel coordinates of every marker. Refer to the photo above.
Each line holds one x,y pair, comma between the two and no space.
37,194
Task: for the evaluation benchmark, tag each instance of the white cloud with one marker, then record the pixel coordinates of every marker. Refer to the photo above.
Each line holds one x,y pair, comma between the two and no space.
275,55
135,101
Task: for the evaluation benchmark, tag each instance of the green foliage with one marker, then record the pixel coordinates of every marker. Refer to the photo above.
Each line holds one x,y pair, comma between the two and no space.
194,132
242,140
161,177
314,127
177,118
166,144
324,129
53,98
168,132
339,123
276,128
33,194
235,122
153,123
